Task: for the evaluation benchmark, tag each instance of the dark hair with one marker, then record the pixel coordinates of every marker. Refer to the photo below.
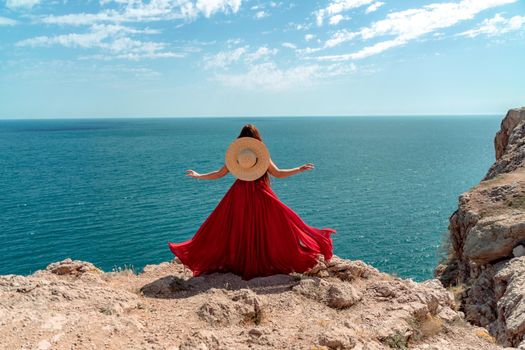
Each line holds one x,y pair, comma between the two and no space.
250,130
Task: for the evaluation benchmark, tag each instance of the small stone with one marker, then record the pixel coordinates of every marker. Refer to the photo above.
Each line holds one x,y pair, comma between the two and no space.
254,332
337,340
165,286
448,315
72,267
342,297
43,345
323,273
518,251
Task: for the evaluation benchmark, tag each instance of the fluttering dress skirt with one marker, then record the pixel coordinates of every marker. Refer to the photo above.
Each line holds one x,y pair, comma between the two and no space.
252,233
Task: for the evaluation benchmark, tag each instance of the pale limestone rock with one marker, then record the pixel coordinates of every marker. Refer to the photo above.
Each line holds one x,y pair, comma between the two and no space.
346,270
312,288
342,296
337,339
335,295
216,313
201,340
494,237
72,267
448,315
222,309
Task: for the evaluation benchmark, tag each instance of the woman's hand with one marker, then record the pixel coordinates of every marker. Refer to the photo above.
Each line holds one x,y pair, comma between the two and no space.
214,175
193,174
307,166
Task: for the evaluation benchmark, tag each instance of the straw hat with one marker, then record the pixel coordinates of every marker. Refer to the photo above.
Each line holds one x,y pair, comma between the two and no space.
247,158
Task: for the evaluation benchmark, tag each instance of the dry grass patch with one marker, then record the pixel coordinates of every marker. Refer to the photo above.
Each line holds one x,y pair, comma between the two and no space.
458,292
485,335
431,326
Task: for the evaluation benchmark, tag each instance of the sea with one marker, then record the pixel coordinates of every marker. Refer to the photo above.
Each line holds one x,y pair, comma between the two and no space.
114,191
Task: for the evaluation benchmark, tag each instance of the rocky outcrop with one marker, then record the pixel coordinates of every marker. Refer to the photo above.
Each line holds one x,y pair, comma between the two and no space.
339,304
487,235
509,144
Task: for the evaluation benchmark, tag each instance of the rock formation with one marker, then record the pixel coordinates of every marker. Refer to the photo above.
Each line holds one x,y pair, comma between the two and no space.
486,263
340,304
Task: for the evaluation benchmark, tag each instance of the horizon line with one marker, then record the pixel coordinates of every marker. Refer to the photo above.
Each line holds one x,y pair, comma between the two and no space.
262,116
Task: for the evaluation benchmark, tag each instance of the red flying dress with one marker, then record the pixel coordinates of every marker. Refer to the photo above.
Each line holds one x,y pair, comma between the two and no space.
253,234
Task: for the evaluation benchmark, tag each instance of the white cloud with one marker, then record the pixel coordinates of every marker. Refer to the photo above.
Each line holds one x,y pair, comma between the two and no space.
21,4
114,39
233,42
334,20
365,52
307,51
4,21
496,25
309,37
260,53
340,37
289,45
268,76
374,7
79,19
409,25
154,10
210,7
107,31
133,56
261,11
261,14
94,38
224,59
338,6
255,68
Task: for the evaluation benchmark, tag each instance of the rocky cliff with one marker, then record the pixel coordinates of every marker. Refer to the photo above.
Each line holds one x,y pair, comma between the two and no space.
486,265
341,304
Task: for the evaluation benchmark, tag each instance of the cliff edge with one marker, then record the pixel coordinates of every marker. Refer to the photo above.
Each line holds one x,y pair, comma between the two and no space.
486,263
340,304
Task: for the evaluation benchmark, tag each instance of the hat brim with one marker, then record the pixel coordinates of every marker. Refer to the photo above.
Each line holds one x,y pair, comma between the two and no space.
261,152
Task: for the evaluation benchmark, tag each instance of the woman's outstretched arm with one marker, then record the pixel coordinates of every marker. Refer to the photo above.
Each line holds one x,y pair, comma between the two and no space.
214,175
282,173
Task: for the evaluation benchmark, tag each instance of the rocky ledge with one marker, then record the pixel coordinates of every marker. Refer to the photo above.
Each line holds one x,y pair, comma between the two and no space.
486,263
340,304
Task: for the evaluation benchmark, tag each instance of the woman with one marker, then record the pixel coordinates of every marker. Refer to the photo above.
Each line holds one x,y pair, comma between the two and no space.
251,232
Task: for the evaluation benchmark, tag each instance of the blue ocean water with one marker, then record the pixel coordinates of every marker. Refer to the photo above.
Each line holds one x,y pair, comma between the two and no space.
113,191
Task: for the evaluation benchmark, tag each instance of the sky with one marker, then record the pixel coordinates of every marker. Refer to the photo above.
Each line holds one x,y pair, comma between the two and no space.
168,58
